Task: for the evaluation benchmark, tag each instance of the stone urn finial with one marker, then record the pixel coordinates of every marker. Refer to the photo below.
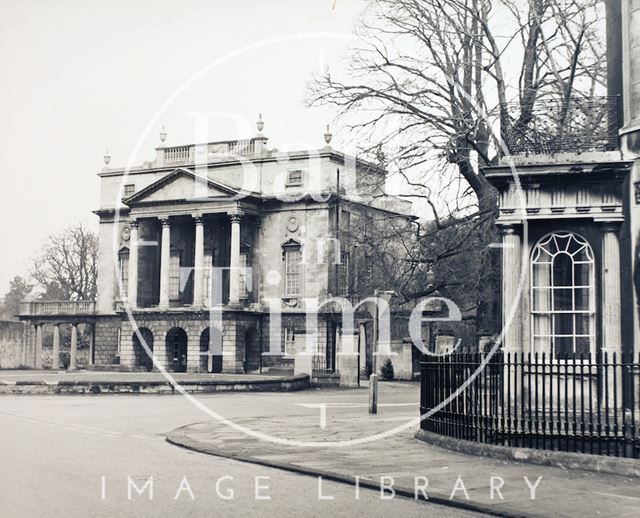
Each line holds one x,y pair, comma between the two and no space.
163,134
328,136
260,123
107,157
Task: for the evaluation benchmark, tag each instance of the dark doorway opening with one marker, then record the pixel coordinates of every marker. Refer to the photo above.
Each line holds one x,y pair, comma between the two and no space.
176,344
142,357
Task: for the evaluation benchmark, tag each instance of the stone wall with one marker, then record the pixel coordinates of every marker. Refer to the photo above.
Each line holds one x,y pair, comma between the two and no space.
11,345
106,340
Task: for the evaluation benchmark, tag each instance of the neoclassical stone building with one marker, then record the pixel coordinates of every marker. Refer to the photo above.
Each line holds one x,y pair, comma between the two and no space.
234,226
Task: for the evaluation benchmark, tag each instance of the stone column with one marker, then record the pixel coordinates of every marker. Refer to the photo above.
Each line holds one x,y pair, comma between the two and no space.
611,312
25,339
73,354
165,258
198,263
611,315
511,290
55,361
37,357
234,263
511,308
132,288
92,344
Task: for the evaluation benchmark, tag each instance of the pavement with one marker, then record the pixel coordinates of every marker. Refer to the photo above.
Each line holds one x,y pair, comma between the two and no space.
335,419
72,457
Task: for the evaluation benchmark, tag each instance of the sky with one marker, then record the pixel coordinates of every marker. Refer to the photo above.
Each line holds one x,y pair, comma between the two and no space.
79,76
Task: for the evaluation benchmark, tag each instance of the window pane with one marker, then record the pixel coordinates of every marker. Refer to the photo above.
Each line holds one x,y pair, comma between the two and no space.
582,274
542,299
562,241
563,347
583,324
582,299
563,324
583,346
562,270
562,299
542,274
542,324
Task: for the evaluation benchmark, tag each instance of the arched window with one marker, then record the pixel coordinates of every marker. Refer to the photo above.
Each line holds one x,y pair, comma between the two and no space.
563,295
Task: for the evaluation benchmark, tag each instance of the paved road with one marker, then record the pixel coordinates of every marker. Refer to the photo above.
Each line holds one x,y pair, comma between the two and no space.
54,451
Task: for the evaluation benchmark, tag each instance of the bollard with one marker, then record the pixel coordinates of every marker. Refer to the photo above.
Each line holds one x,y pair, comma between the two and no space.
373,394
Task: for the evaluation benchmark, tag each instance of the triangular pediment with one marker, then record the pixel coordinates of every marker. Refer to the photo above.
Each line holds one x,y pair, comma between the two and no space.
181,185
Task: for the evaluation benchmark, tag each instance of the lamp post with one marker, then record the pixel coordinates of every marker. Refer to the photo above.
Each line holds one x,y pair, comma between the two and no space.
373,378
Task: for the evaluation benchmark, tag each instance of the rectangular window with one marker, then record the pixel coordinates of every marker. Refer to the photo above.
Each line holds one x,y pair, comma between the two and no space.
129,189
345,260
174,276
289,342
292,272
294,178
123,266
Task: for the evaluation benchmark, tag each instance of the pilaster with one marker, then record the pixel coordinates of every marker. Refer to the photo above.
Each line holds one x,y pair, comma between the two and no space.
511,289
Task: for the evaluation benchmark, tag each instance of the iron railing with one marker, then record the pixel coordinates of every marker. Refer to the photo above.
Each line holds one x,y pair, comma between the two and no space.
575,404
322,364
555,126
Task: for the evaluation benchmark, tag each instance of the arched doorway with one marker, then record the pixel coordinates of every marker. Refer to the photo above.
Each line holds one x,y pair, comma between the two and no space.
141,357
210,362
251,350
176,347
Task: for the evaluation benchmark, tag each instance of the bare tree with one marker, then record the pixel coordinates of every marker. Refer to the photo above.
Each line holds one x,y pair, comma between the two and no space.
431,82
434,92
69,262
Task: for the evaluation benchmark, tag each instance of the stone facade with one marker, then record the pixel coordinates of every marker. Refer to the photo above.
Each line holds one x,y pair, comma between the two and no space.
266,220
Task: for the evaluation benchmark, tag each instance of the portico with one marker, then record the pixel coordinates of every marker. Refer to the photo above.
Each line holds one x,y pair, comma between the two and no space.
173,244
189,247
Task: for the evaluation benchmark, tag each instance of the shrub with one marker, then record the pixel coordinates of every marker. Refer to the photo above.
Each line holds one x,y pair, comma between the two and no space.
387,370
